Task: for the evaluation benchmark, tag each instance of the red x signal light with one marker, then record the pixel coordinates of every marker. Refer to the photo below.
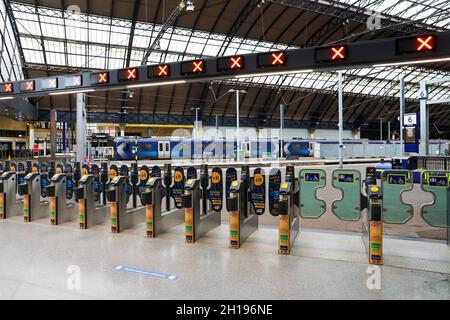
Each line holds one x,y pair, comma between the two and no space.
278,58
425,43
26,86
128,74
197,66
103,78
52,83
193,67
132,74
158,71
163,71
8,87
236,63
338,53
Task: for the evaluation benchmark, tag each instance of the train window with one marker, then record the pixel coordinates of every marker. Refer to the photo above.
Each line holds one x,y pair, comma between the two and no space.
146,147
300,146
167,147
161,147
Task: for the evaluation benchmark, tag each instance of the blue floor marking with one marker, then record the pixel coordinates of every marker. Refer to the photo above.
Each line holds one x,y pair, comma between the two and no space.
148,273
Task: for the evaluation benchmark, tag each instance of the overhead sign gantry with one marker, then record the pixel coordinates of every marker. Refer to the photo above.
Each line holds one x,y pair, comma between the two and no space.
385,52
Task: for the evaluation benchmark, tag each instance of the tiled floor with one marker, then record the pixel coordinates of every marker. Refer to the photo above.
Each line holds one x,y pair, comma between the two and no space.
34,260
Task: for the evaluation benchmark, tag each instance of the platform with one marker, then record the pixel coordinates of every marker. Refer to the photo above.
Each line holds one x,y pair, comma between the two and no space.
34,259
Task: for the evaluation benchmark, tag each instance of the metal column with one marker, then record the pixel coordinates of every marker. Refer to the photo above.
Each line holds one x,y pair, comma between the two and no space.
238,141
424,122
81,127
381,129
281,143
402,112
53,134
341,121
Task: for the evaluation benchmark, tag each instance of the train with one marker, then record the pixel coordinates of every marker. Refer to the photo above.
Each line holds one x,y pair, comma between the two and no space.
127,148
173,148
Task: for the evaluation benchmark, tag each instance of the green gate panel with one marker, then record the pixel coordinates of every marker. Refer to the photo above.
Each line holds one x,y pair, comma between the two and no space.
436,214
348,207
394,183
310,181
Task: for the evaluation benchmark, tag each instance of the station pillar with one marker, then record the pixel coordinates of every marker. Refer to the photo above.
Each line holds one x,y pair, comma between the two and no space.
424,121
31,137
81,127
53,134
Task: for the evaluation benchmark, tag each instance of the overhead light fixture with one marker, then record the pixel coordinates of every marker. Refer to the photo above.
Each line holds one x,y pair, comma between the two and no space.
190,6
155,84
279,73
410,62
70,92
6,98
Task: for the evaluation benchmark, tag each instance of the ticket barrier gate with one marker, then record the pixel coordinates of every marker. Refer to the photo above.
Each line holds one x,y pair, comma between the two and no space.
197,224
375,223
121,218
90,214
157,221
288,224
9,205
437,213
243,219
60,210
33,207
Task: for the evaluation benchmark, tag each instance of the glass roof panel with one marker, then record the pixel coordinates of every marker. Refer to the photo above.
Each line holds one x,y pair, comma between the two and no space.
95,42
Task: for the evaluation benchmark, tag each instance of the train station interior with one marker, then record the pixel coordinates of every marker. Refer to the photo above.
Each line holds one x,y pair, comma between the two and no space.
224,150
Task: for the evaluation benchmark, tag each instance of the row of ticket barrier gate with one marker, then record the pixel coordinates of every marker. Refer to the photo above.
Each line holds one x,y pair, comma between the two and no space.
166,198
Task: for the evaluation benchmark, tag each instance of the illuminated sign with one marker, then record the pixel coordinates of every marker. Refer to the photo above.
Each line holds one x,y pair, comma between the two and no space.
100,78
331,54
346,178
424,43
438,181
271,59
312,177
128,74
26,86
159,71
50,83
193,67
397,179
7,87
73,81
230,63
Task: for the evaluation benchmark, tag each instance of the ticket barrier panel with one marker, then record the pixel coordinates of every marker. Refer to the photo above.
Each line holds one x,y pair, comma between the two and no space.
89,213
197,224
33,207
243,219
157,221
394,183
350,205
310,182
134,180
375,225
60,210
104,177
289,216
9,205
437,213
121,218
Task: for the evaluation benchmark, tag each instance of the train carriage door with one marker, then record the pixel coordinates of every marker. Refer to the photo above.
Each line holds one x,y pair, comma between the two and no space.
246,148
163,149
